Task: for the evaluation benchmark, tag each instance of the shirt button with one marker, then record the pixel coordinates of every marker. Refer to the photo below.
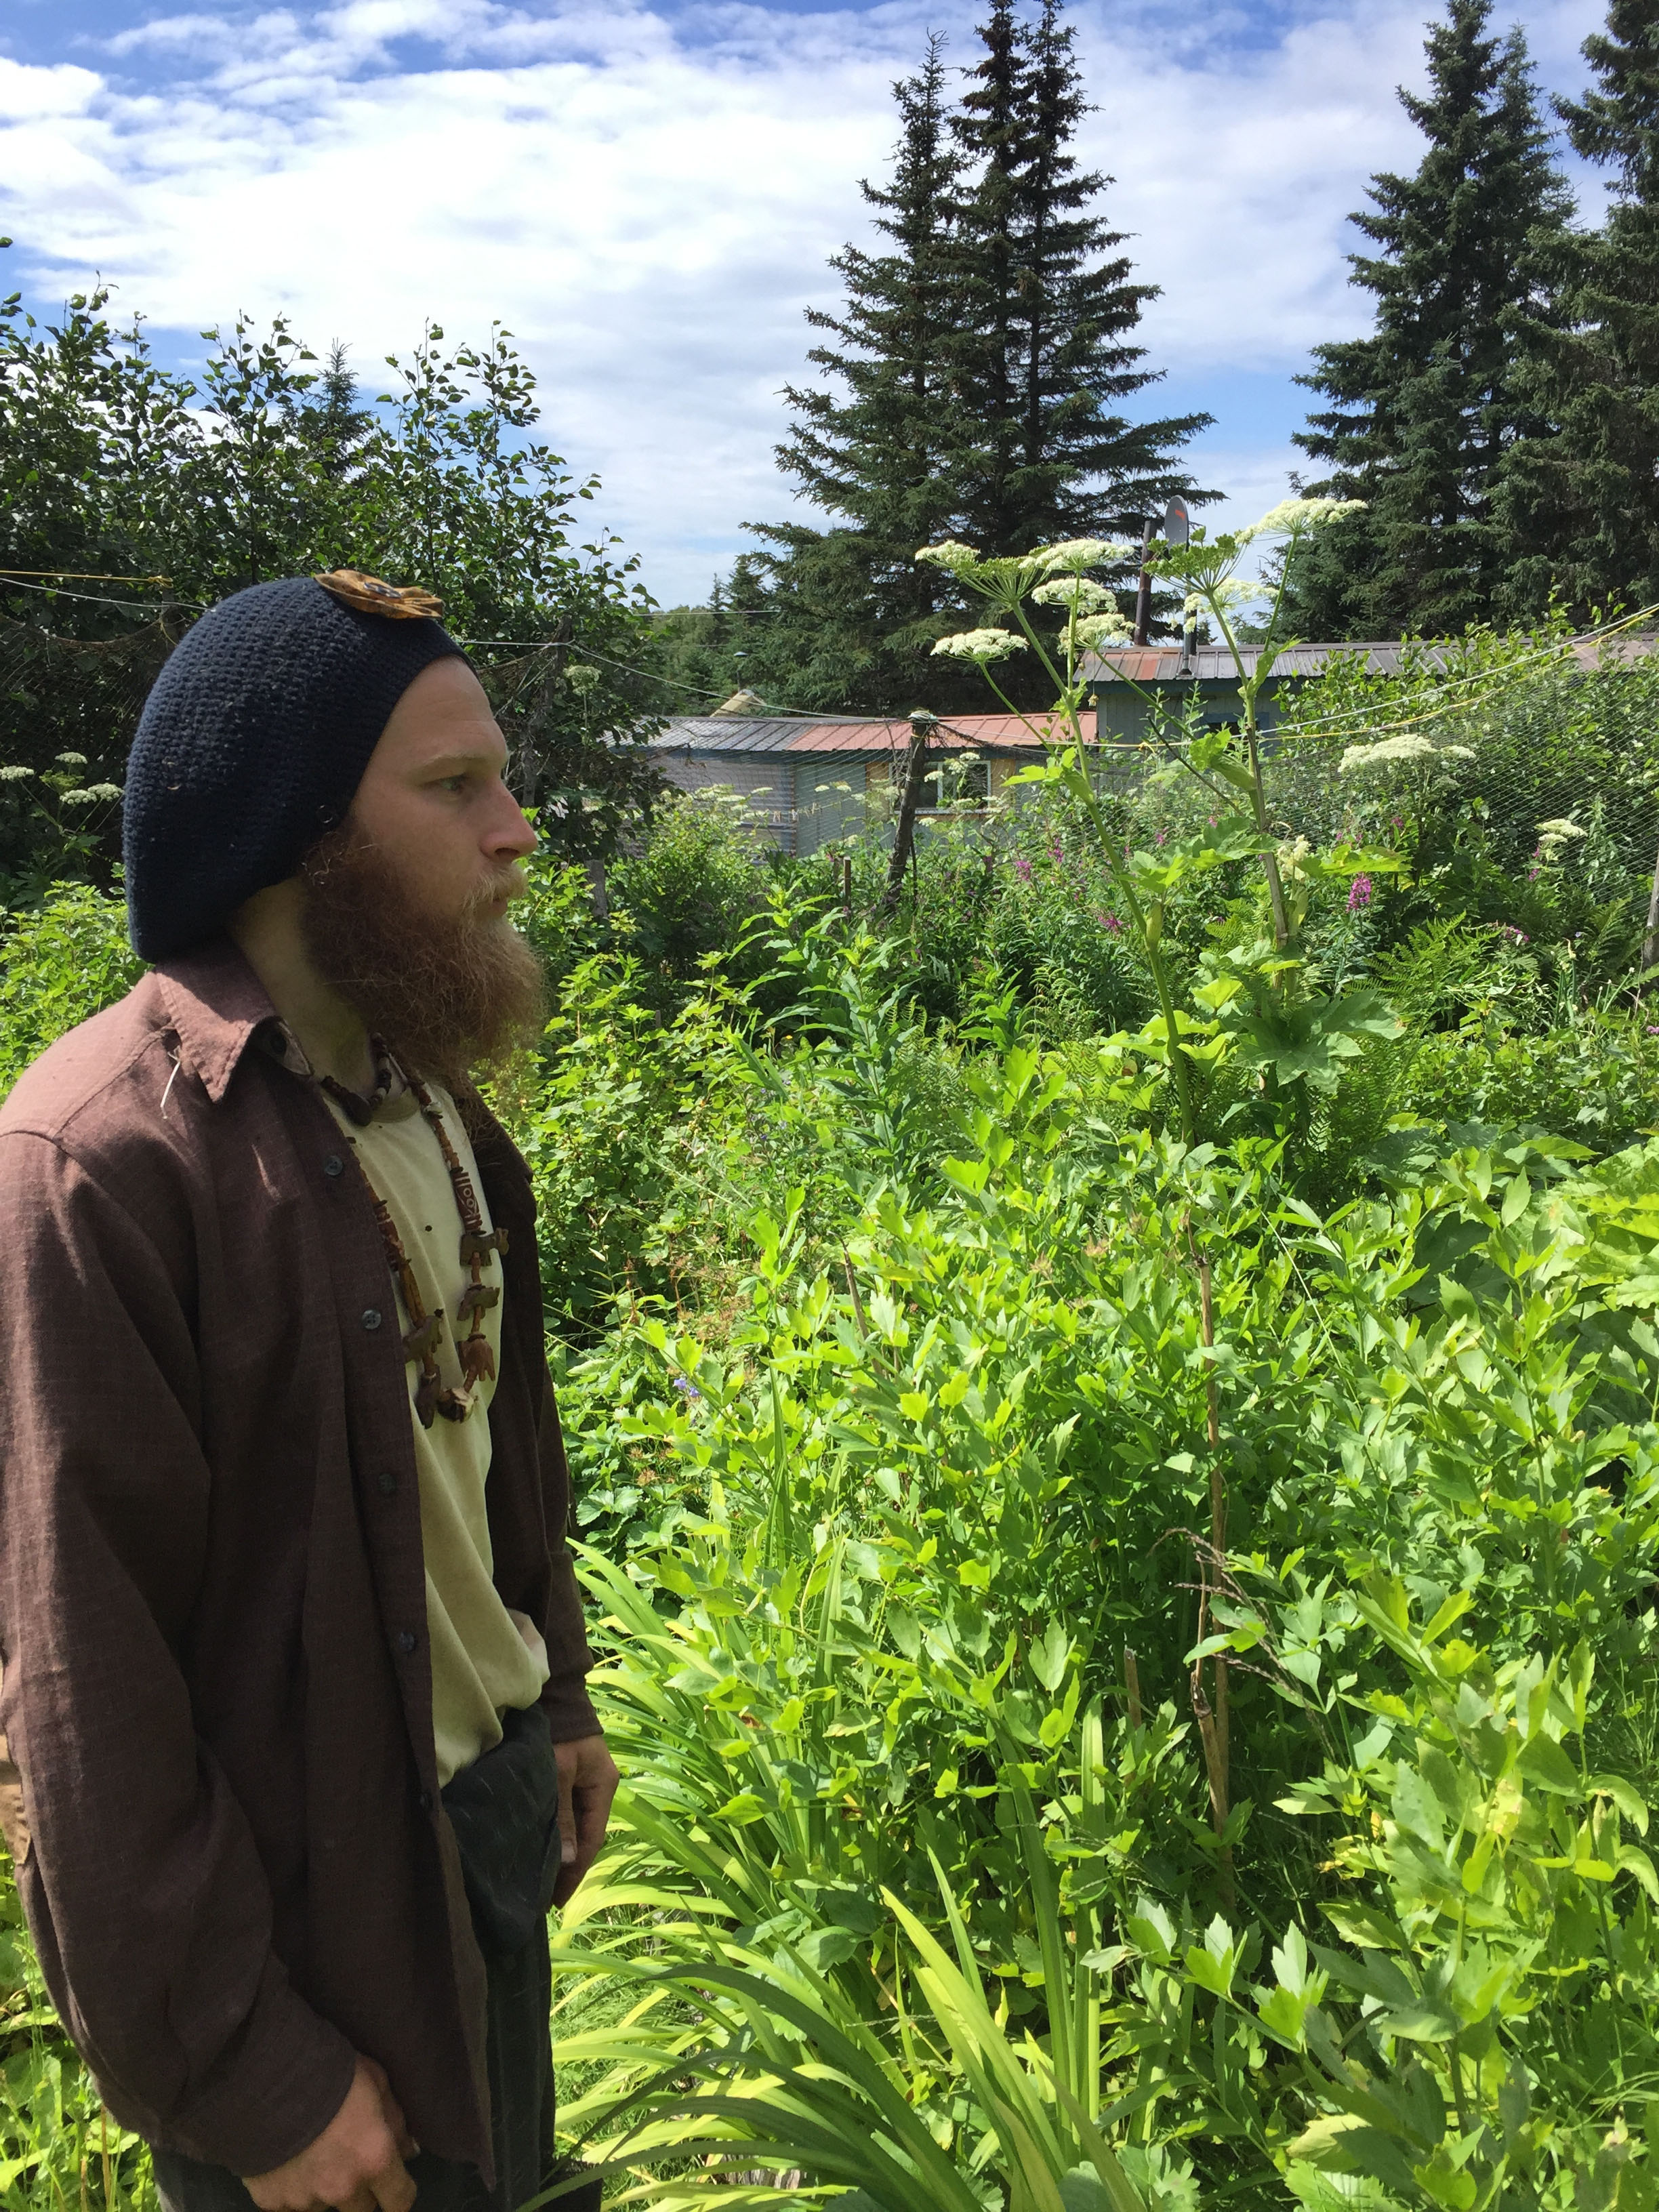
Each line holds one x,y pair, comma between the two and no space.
405,1639
333,1164
371,1317
388,1483
426,1801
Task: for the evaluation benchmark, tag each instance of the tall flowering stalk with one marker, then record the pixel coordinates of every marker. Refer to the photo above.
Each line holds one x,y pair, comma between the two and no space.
1209,569
1057,576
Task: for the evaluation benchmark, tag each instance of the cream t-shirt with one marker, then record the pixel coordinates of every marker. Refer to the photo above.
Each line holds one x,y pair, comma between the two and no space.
485,1657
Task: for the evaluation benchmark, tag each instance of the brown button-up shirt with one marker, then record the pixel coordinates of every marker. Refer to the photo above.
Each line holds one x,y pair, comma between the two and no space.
217,1692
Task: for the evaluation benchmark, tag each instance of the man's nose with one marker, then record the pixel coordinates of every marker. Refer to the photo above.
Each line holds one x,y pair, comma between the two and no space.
510,836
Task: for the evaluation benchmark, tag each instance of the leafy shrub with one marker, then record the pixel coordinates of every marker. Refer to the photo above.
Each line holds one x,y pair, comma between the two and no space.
58,965
691,889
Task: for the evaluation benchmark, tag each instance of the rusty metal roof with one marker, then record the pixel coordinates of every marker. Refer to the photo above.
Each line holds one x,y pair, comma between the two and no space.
808,733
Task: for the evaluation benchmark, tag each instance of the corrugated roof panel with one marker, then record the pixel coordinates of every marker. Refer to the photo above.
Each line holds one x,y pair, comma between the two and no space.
804,733
1214,664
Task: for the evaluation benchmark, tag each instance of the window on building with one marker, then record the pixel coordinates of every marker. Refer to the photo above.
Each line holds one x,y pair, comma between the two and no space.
964,780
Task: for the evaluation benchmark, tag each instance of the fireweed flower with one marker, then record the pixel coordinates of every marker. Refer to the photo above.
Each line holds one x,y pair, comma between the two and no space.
1359,894
1022,869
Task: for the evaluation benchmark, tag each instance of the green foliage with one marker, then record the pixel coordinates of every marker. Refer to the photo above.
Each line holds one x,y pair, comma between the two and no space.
177,494
691,888
59,965
1578,493
58,2144
868,1664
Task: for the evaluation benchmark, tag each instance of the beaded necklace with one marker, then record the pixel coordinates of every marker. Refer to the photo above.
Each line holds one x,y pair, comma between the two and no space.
425,1330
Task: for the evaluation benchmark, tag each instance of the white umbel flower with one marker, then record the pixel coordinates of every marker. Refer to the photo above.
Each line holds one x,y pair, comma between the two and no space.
1080,593
951,554
1293,514
1096,631
980,645
1397,752
1073,555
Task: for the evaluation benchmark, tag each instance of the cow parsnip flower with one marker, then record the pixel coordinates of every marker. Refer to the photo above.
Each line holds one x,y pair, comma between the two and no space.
951,554
1080,593
981,645
1225,593
1291,515
1073,555
1110,628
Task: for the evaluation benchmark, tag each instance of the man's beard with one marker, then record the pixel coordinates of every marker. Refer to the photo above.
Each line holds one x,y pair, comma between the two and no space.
446,995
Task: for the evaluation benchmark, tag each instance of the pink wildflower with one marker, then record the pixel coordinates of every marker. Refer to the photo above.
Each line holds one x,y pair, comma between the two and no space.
1022,869
1359,894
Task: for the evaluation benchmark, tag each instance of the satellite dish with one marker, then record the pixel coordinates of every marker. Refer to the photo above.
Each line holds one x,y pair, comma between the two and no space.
1173,529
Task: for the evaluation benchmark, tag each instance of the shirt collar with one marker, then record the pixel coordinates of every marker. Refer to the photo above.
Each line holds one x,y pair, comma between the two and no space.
215,1003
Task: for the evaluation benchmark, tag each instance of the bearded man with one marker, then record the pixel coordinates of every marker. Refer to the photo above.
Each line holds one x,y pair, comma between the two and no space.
297,1749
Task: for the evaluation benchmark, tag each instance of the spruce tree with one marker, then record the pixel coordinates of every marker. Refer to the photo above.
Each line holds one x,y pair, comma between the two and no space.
1047,358
974,370
1425,409
850,616
1581,495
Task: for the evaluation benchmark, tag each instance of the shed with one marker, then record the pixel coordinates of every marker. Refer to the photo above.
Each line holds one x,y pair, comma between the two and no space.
1171,673
808,777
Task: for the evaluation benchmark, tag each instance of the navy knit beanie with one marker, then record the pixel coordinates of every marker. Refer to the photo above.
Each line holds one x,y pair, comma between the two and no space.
253,744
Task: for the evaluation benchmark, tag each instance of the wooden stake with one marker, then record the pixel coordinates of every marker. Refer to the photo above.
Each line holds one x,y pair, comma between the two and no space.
1132,1684
922,726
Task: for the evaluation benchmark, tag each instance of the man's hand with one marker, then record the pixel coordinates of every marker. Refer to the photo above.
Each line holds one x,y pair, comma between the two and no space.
587,1782
355,2164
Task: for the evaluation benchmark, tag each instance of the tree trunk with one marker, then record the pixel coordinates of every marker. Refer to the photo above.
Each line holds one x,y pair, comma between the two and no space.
922,726
1143,589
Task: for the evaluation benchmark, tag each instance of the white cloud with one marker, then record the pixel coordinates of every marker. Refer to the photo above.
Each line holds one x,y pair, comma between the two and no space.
648,202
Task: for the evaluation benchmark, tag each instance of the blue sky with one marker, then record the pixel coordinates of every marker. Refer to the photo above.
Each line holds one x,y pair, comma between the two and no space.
644,192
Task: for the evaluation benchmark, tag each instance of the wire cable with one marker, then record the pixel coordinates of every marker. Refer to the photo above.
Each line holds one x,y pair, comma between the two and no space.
9,583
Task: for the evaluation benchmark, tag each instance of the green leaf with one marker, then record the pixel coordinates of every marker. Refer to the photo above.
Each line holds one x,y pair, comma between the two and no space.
1543,1761
1321,2191
1051,1657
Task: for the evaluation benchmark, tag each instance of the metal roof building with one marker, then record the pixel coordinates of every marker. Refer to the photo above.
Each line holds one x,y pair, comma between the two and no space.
808,778
1171,673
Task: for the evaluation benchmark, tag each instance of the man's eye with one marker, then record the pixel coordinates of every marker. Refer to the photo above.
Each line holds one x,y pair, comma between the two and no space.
452,783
